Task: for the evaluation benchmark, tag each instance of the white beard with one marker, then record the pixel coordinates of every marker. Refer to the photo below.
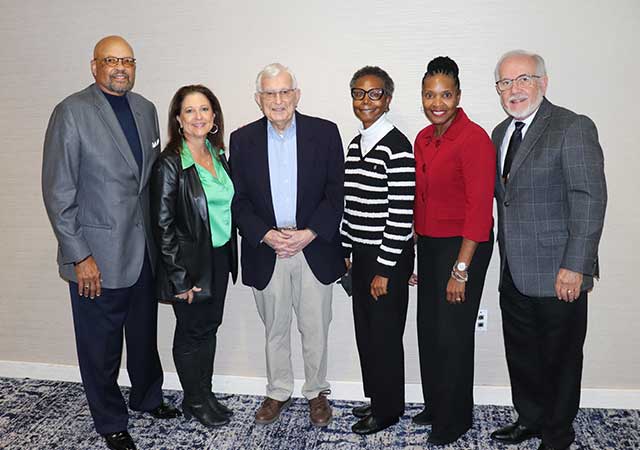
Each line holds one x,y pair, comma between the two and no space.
533,106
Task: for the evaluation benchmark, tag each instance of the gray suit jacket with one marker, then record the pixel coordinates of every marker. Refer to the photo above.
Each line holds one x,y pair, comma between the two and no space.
551,211
96,200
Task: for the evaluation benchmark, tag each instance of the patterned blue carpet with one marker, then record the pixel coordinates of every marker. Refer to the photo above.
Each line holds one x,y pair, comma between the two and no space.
37,414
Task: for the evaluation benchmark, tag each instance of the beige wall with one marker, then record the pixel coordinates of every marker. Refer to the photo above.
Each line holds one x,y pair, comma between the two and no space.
592,56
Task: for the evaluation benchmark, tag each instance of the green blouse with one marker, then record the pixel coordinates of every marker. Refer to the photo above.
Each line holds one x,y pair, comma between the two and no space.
218,190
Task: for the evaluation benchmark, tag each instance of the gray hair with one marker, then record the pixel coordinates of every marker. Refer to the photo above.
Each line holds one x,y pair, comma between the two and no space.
541,69
273,70
376,72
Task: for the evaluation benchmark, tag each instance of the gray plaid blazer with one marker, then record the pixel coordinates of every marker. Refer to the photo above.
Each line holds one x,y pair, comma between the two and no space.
551,211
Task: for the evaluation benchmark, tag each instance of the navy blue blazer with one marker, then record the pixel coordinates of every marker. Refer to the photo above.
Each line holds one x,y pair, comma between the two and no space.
319,197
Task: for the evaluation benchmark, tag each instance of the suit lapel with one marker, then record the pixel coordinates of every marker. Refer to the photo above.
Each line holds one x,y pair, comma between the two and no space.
535,131
105,112
498,138
305,149
199,195
144,137
261,155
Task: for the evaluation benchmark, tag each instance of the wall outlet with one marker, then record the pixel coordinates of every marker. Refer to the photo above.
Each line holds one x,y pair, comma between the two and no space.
482,322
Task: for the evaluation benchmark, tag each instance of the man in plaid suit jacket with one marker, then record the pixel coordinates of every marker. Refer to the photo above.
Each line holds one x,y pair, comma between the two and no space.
551,197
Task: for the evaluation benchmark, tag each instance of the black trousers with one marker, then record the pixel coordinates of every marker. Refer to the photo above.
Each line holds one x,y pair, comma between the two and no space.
543,339
197,323
446,333
99,327
379,327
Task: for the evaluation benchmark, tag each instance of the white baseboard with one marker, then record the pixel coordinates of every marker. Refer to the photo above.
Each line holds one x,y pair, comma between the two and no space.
343,390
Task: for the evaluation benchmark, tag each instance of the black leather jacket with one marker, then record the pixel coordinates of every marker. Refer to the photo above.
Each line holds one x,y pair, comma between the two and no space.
180,220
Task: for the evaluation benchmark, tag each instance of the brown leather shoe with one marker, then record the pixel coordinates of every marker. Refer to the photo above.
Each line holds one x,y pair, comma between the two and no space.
320,410
270,410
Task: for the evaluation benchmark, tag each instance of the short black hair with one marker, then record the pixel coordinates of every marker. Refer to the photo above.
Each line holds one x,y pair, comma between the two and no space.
443,65
387,82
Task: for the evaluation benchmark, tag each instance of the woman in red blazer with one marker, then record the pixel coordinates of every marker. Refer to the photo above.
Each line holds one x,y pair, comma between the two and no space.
455,174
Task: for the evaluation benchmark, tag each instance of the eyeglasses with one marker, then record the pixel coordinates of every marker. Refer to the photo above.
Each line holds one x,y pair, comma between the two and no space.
373,94
112,61
271,95
524,80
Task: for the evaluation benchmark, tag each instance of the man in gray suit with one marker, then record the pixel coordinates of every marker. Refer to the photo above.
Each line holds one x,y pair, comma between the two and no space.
551,197
99,148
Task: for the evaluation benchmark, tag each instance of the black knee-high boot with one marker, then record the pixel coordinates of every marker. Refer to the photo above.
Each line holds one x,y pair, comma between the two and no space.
207,356
195,403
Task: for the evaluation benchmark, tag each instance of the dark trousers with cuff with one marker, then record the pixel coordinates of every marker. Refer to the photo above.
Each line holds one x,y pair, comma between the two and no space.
379,327
543,339
100,324
446,333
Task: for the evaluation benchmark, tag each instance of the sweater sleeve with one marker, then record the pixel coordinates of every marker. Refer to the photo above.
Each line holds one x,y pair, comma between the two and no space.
399,224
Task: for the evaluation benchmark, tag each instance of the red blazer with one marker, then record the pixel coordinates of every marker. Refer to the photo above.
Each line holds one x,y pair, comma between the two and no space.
455,176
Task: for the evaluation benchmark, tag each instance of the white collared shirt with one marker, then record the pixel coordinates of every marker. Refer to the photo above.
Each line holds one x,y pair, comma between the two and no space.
507,135
372,135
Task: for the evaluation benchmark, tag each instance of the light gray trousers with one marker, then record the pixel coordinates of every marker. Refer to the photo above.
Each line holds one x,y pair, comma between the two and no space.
293,287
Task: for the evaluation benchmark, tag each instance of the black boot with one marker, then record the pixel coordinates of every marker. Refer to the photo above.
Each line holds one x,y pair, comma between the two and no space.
207,355
194,403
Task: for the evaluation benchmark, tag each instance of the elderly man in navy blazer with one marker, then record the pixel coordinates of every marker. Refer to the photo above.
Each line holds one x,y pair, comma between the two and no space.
288,173
98,152
551,196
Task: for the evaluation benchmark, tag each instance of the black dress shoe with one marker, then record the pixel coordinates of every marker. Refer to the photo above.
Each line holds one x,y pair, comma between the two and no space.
165,411
424,417
514,434
362,411
370,425
120,440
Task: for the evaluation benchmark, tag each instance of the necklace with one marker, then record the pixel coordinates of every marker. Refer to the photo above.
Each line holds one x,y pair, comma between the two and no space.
207,163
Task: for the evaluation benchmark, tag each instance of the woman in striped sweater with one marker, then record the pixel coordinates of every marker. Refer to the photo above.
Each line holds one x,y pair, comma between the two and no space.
378,246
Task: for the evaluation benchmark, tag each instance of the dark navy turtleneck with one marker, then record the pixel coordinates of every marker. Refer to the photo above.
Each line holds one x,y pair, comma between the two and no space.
121,108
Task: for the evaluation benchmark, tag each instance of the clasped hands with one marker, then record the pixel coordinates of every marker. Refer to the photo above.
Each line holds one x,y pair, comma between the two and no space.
287,243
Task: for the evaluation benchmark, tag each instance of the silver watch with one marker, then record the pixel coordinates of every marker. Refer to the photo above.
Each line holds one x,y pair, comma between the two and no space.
460,266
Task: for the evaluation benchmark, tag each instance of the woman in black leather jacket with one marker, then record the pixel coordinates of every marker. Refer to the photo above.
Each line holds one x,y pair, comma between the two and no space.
191,194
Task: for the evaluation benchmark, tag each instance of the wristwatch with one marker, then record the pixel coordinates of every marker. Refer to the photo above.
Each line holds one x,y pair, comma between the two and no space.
460,266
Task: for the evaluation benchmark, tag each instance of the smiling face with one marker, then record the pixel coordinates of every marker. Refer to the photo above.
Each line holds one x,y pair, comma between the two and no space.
440,100
521,100
367,110
113,80
196,117
278,100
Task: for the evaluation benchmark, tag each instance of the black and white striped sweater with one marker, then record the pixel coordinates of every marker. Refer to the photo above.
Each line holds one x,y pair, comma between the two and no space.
379,191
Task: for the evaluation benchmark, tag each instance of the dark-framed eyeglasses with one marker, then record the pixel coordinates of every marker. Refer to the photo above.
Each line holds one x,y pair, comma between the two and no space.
373,94
524,80
113,61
